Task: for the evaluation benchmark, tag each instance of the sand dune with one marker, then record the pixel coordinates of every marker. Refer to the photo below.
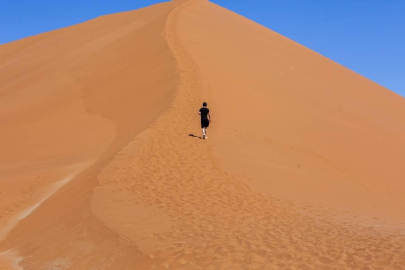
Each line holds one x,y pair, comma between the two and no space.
302,168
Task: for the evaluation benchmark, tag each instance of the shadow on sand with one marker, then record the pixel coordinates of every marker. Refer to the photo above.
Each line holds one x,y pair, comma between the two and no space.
194,136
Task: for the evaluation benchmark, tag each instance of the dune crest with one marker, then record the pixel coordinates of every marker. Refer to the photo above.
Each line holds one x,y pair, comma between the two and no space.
286,180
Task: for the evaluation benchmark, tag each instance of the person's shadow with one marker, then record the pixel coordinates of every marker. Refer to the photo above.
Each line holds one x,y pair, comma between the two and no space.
194,136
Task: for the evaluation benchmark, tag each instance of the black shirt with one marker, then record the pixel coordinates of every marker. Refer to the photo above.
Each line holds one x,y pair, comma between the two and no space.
204,112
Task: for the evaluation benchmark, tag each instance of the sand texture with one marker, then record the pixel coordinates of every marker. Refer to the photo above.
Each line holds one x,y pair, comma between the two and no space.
102,165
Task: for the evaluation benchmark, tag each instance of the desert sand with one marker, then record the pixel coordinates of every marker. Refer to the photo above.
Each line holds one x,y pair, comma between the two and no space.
302,168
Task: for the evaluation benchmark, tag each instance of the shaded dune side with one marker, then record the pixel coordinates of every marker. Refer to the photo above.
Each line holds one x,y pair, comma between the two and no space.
119,69
49,121
294,123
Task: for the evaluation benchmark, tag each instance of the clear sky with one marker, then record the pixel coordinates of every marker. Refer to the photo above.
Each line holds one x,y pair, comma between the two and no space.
367,36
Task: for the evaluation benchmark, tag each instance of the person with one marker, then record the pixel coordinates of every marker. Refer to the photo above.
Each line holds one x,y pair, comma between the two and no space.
205,119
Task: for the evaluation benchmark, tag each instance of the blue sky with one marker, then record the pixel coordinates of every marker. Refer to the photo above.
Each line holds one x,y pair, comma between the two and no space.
367,36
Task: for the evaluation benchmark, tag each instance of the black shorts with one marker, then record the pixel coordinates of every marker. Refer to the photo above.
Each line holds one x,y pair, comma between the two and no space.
205,123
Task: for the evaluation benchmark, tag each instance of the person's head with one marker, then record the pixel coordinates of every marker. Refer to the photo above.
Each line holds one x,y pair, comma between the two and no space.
205,104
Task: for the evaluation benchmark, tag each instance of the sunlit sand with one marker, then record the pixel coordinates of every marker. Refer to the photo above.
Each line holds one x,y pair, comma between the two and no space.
303,168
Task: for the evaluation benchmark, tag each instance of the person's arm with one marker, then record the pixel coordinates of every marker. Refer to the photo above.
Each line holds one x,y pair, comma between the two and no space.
199,112
209,116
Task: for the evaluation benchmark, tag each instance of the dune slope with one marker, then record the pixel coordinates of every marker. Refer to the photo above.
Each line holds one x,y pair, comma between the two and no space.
296,124
301,169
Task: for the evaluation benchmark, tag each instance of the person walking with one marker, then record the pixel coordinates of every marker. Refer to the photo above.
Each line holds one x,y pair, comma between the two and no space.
205,119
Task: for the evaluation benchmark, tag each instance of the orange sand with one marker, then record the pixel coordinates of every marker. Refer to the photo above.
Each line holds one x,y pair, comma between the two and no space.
302,168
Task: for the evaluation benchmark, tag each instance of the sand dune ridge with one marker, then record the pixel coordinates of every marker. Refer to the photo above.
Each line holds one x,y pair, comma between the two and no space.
274,186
